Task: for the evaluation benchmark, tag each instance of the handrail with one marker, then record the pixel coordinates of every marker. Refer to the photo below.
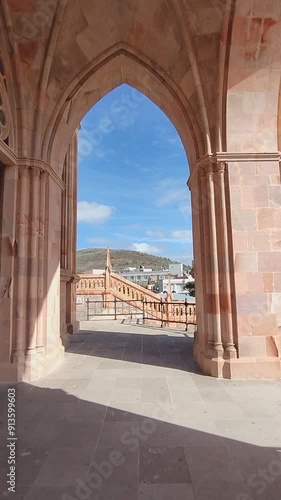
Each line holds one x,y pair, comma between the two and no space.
125,290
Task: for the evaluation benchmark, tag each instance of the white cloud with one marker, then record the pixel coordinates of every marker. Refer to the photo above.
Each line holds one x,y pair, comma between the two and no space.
171,196
175,140
185,258
171,191
92,212
155,234
97,240
183,235
145,248
186,209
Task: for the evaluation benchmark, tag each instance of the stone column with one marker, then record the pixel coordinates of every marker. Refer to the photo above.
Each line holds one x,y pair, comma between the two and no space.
53,345
214,263
23,223
199,257
71,321
214,342
255,207
207,268
8,251
69,278
225,259
240,232
33,261
204,332
41,331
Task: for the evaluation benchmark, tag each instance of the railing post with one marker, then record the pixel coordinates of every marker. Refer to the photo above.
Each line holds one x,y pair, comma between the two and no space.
143,311
162,312
186,315
88,309
115,308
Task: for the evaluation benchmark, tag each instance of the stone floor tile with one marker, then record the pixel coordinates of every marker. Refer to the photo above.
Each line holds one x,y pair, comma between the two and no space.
259,432
153,389
191,394
166,492
119,434
252,459
218,394
115,492
29,463
256,409
49,383
223,467
163,465
130,383
191,410
64,466
85,411
50,412
161,411
125,395
178,382
116,465
225,490
75,387
123,412
226,410
217,433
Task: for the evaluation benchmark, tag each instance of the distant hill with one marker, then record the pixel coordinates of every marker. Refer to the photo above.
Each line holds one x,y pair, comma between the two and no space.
95,258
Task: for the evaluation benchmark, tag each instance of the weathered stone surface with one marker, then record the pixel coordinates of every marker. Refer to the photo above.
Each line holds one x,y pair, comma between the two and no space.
216,74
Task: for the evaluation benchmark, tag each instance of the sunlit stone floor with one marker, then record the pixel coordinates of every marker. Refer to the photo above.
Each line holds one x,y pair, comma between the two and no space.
128,416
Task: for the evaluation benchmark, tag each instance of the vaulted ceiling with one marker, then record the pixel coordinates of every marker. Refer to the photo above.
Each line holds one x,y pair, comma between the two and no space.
67,54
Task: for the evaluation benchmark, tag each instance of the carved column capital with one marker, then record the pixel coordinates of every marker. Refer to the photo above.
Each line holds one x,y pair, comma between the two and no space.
42,167
220,168
44,175
209,169
24,172
201,172
35,172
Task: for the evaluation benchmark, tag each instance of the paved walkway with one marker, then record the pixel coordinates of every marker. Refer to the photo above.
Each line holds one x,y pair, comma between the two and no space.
129,417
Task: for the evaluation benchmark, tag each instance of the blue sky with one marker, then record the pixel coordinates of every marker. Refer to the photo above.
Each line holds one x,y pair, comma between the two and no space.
132,175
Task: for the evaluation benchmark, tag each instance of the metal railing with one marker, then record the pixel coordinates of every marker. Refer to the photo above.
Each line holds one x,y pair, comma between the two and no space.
164,312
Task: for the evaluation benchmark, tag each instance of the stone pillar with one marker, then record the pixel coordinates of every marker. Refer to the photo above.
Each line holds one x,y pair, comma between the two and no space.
22,271
53,345
8,250
35,352
30,345
33,254
214,342
108,297
255,207
69,278
214,262
226,257
237,250
42,272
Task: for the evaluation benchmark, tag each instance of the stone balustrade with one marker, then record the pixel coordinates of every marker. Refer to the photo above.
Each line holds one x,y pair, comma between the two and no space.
145,300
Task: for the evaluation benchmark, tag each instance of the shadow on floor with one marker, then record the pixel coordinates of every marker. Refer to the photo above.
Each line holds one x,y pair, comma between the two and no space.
71,448
170,349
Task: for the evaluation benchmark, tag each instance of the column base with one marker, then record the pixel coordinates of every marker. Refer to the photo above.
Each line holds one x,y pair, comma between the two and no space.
73,327
65,339
8,373
239,368
35,364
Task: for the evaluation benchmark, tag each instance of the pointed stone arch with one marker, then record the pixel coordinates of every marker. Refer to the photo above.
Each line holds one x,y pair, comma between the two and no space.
120,64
